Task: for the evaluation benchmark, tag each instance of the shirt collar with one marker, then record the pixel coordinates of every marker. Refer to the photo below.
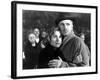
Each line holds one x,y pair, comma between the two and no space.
37,40
67,38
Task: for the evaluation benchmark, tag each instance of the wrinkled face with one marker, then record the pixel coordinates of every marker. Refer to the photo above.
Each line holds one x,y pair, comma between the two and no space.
31,38
66,26
56,39
36,32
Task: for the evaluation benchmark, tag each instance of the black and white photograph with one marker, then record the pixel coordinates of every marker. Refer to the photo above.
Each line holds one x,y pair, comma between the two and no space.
44,41
53,39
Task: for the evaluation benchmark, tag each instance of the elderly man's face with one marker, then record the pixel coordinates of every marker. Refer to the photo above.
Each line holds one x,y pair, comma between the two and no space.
66,26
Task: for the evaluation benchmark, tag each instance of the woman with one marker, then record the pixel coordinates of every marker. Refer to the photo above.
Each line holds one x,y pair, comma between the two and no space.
52,50
31,52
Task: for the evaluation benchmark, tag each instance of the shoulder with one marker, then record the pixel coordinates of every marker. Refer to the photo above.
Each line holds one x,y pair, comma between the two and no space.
77,41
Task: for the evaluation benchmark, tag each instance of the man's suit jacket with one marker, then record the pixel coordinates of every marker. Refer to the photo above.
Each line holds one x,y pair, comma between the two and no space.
75,51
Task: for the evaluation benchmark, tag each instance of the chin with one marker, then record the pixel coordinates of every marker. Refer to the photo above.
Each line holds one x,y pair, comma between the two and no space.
57,46
64,34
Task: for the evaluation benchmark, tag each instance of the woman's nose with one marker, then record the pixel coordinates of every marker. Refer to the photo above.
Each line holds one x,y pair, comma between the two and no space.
57,40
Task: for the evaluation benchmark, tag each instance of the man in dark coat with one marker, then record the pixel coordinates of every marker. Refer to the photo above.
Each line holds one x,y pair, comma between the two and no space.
73,48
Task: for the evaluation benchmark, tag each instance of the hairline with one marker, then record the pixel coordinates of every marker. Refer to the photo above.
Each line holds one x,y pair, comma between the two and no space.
65,20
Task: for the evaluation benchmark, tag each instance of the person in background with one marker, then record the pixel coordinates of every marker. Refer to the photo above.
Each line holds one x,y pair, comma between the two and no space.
73,47
31,52
82,36
37,34
44,39
52,50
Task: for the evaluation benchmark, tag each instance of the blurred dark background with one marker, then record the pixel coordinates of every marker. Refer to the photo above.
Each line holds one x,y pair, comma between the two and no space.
45,20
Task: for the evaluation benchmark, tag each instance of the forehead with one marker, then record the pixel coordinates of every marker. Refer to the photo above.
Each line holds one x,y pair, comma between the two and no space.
31,35
57,33
43,32
66,21
36,29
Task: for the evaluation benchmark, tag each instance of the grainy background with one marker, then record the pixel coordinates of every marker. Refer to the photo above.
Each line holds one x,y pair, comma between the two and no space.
46,20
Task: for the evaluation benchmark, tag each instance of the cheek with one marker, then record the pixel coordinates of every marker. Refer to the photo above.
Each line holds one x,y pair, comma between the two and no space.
33,39
61,28
69,28
53,40
60,39
64,28
30,40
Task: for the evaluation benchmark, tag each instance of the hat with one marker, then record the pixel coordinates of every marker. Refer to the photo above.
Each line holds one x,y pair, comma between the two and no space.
65,17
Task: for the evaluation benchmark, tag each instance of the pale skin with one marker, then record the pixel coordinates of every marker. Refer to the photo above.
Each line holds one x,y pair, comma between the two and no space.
36,32
31,38
56,41
66,27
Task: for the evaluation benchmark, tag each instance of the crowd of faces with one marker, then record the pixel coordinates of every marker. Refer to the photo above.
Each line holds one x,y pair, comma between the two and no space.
55,38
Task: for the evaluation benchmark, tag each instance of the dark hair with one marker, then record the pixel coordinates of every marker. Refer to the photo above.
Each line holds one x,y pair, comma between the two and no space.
66,17
52,32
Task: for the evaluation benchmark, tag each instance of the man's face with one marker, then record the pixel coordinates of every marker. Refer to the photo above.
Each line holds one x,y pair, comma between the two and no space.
66,26
56,39
36,32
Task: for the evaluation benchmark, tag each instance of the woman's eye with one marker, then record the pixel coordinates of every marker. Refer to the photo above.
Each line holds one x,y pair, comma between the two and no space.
54,36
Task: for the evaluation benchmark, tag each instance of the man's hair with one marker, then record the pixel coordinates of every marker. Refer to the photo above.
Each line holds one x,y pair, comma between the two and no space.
71,17
66,17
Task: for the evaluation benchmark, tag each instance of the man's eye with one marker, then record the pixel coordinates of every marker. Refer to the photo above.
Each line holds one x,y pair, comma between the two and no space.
67,24
62,24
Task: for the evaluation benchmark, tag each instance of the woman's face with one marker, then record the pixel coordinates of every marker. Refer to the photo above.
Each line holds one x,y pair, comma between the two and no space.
56,39
31,38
